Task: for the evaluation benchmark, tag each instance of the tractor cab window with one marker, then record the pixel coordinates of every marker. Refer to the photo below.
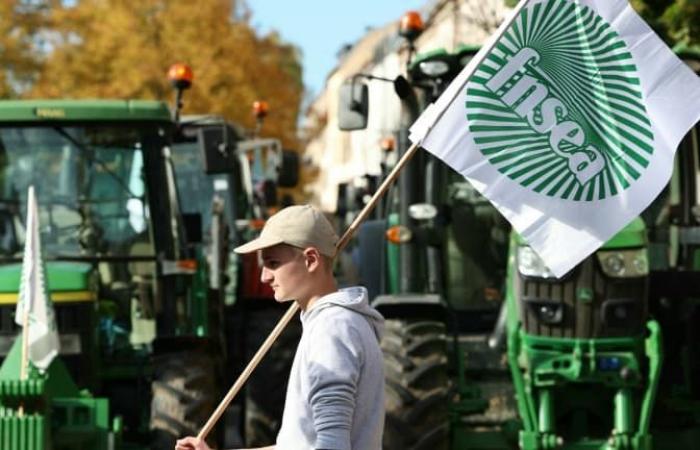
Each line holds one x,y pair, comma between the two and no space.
90,188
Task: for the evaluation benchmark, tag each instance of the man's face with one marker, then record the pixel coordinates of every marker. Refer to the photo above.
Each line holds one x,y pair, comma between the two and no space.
285,270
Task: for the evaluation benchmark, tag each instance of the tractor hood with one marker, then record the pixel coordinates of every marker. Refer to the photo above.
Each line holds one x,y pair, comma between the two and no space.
67,281
633,235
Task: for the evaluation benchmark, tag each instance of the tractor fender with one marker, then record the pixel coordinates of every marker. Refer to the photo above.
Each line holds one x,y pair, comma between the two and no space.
428,306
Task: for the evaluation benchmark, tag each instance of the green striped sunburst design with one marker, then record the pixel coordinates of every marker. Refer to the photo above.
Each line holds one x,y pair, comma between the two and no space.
557,105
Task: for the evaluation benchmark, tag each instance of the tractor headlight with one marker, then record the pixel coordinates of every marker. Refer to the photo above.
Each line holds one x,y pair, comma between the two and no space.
624,263
531,265
434,69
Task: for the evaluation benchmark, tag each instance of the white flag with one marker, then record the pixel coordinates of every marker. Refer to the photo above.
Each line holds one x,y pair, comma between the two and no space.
42,334
569,125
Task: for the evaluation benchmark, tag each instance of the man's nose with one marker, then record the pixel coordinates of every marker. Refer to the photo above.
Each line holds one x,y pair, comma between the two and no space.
265,275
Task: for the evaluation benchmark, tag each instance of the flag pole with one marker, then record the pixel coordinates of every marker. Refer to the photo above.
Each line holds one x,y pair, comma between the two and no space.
291,312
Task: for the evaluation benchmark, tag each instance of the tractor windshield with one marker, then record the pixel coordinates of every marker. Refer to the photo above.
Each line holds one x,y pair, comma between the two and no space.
89,185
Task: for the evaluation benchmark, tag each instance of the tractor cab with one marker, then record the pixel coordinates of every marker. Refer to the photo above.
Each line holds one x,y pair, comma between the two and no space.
118,265
96,211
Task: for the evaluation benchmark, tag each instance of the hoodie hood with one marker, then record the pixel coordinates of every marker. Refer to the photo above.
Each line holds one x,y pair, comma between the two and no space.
354,298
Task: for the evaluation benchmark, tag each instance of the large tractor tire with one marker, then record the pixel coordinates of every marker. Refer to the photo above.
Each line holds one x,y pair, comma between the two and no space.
185,391
267,387
417,385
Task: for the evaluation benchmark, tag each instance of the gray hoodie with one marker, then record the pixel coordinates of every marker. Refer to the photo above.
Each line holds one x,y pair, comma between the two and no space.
335,396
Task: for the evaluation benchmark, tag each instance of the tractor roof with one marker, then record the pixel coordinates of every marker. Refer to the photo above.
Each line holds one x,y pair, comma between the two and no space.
83,110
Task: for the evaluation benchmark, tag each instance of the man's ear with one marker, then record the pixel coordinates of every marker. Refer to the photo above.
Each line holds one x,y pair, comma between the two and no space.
312,258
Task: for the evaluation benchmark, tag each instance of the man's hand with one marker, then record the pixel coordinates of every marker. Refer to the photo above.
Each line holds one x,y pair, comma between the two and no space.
191,443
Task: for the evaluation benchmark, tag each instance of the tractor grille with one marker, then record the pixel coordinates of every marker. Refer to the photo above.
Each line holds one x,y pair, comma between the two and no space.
585,304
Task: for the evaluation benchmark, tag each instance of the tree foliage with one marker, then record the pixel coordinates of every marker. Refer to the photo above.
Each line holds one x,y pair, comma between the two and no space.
20,26
676,21
123,48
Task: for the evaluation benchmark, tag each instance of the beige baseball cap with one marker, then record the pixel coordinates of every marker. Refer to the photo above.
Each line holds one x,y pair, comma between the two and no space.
300,226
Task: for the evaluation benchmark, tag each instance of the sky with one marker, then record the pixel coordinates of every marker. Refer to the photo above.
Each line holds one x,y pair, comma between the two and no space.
321,27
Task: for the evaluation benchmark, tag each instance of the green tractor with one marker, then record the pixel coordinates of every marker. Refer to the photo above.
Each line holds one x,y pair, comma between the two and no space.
241,182
583,365
140,325
594,353
434,263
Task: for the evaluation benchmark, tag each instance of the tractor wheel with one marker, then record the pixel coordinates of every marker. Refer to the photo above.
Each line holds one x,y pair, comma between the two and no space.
185,391
417,385
267,387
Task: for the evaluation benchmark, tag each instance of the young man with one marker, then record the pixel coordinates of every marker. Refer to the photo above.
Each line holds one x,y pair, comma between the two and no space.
335,396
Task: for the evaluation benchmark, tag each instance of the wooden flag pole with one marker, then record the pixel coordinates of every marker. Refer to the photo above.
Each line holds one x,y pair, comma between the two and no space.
265,347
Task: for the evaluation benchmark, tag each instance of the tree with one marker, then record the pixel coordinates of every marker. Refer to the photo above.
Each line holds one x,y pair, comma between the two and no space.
676,21
20,45
122,49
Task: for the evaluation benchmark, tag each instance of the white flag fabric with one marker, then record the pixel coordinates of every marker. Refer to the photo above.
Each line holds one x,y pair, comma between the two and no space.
569,125
42,334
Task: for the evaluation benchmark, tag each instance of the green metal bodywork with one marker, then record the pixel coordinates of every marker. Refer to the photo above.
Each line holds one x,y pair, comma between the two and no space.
41,111
61,276
633,235
432,55
558,365
76,420
548,371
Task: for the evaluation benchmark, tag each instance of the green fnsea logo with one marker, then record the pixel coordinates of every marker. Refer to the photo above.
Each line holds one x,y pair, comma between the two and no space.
557,105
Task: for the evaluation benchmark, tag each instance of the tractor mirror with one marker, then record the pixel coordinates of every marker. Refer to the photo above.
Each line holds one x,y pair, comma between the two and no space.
288,171
353,106
193,227
217,145
402,87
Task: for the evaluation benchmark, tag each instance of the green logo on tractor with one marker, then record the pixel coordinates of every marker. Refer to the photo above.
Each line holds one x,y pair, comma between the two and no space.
557,105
